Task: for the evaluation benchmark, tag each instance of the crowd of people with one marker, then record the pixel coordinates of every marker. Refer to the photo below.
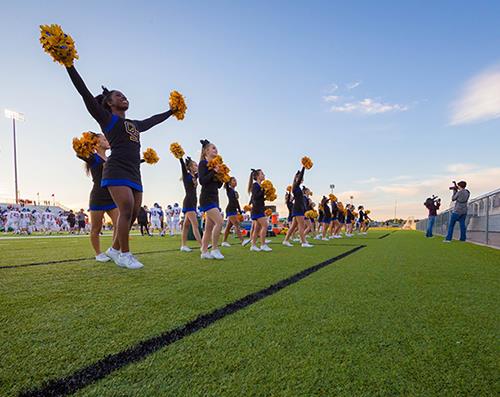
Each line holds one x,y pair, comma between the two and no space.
118,189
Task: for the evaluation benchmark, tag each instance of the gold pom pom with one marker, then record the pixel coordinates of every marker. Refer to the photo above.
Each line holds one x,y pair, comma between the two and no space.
367,212
247,208
307,163
332,197
268,212
177,150
240,217
59,45
223,170
150,156
311,214
86,145
177,104
269,190
289,188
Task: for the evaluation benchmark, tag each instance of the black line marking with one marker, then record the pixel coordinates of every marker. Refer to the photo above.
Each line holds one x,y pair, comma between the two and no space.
113,362
387,234
77,260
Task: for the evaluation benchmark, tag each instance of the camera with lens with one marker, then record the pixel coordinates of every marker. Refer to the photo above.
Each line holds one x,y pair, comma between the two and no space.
454,187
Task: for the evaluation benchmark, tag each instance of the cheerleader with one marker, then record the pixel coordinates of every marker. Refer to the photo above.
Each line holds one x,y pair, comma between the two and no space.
190,180
349,218
122,174
100,201
209,202
327,217
321,216
298,211
259,219
341,219
335,217
233,210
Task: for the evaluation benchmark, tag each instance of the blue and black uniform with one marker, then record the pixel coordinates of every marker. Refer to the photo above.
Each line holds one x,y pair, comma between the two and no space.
190,200
100,199
327,214
233,205
123,165
289,205
209,196
258,202
335,211
362,216
349,216
299,205
341,216
321,214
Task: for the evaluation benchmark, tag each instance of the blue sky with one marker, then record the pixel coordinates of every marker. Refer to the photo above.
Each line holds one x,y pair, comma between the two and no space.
371,91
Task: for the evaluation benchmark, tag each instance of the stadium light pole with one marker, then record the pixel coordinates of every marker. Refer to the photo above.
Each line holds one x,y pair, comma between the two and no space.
332,186
11,114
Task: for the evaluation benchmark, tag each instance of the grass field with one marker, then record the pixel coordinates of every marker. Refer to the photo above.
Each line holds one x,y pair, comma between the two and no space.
401,316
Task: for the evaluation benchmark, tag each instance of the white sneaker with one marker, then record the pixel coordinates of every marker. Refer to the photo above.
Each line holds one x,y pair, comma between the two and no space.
113,254
296,240
127,260
325,239
267,241
265,248
254,248
225,244
245,242
307,245
185,248
102,257
318,237
207,255
217,254
287,243
446,241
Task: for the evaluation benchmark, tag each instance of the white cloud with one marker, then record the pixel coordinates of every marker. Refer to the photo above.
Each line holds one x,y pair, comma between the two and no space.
353,85
369,180
480,99
460,168
331,98
368,106
332,88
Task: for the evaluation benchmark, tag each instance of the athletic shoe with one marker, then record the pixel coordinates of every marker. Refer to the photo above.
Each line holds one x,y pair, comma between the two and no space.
287,243
318,237
102,257
207,255
225,244
245,242
216,254
185,248
296,240
254,248
113,254
265,248
325,239
267,241
446,241
127,260
307,245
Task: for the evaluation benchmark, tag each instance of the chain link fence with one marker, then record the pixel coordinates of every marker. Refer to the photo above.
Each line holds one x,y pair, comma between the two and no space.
483,220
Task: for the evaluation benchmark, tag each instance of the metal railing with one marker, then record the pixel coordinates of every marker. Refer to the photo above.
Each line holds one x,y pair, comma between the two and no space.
483,220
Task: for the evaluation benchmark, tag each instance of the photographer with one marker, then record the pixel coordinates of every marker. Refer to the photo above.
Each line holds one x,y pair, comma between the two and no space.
432,204
460,197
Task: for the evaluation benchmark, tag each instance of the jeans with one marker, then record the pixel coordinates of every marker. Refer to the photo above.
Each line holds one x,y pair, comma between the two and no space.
461,220
430,225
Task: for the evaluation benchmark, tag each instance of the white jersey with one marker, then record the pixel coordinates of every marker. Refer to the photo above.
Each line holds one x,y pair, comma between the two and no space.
169,213
177,212
13,216
48,216
38,218
156,213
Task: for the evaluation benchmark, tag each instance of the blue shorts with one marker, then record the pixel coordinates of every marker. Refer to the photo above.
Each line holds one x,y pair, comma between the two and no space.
208,207
121,182
228,214
184,210
257,216
297,214
102,207
327,220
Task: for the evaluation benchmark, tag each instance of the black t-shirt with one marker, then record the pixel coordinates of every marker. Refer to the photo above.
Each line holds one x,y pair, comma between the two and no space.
257,199
209,185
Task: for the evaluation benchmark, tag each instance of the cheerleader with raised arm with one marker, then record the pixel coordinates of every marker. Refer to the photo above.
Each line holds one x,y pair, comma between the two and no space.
209,201
100,201
298,211
260,220
233,212
341,219
190,180
349,218
121,173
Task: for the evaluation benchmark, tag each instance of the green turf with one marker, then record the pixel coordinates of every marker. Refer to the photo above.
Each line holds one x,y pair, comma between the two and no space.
403,316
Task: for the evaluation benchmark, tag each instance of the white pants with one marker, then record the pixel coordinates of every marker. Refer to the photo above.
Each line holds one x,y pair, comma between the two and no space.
11,225
176,223
155,223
